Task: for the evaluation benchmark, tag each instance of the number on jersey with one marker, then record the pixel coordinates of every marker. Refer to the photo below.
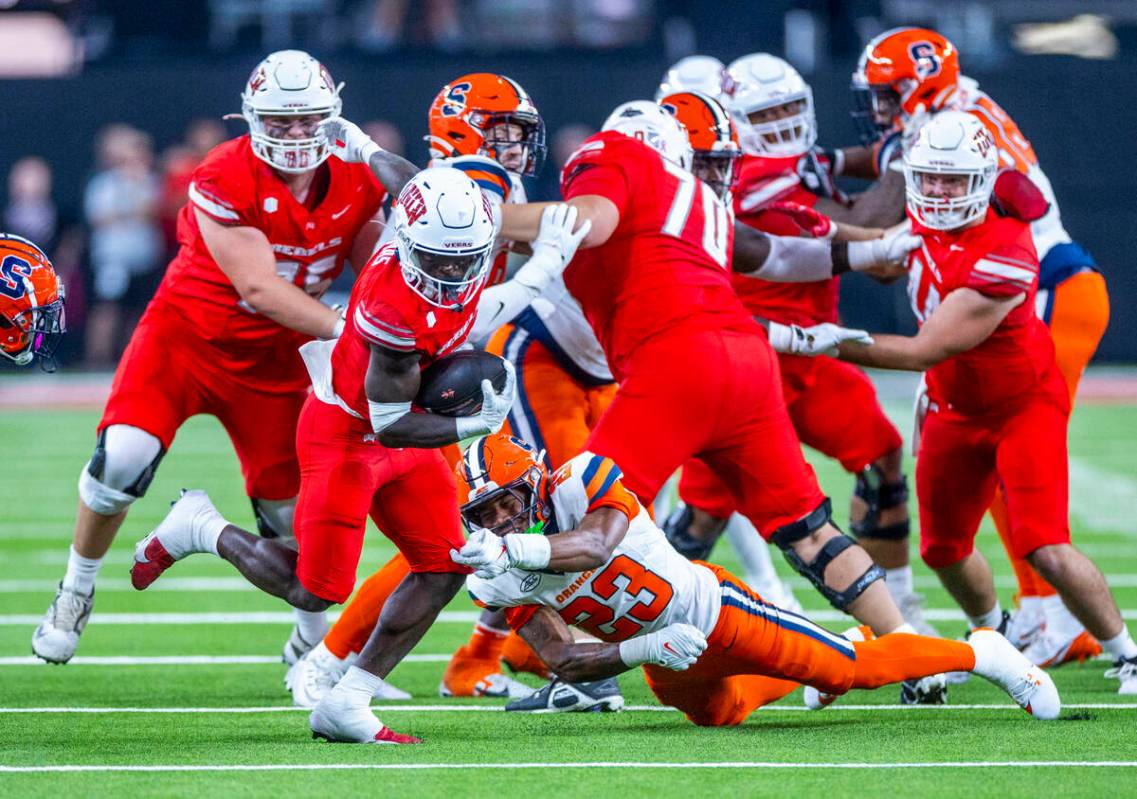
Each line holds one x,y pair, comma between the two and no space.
622,574
716,219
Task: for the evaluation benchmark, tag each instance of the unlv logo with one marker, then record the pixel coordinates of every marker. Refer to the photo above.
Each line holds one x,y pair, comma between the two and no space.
413,203
257,79
983,141
923,55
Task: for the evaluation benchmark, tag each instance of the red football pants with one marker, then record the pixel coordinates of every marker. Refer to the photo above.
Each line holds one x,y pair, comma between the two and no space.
834,409
716,395
346,475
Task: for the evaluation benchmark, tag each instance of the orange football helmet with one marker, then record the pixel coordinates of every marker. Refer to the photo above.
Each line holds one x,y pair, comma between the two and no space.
31,303
713,137
898,71
493,467
470,117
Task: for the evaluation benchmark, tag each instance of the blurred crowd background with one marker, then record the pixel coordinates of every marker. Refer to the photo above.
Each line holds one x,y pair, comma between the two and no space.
109,105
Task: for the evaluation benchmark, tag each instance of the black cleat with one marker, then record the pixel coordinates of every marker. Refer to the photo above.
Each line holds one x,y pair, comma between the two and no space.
600,696
930,690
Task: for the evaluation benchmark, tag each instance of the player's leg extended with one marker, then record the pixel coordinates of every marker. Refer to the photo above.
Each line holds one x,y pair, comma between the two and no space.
1032,464
759,457
154,391
839,415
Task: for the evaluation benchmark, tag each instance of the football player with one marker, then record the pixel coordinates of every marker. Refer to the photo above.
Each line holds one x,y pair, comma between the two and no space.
269,224
364,452
833,405
488,126
904,75
31,304
697,375
577,548
998,404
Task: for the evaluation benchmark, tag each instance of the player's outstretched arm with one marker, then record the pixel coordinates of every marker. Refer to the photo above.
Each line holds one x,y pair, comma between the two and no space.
523,222
963,321
675,647
245,256
787,259
392,383
350,144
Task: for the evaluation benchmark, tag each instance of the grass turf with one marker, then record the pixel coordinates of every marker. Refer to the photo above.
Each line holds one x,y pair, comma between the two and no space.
37,505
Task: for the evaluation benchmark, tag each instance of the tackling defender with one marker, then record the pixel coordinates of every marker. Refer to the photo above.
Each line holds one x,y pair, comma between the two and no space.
31,304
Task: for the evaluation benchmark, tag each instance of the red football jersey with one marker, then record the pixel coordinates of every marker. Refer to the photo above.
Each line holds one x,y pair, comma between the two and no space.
995,258
234,187
384,310
667,264
761,182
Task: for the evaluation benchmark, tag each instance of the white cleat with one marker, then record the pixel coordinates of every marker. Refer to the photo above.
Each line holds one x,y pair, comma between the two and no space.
57,636
493,686
997,661
313,676
1125,670
1025,625
296,648
912,609
176,536
339,719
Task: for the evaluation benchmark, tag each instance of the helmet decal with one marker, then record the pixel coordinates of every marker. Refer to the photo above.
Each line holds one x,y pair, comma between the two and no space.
924,56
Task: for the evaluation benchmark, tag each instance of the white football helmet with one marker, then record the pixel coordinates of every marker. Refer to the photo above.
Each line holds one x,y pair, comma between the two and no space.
951,143
695,73
444,230
652,124
761,81
289,83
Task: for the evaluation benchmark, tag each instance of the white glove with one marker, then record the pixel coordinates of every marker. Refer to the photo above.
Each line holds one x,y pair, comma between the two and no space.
816,340
495,407
675,647
485,553
889,250
347,141
554,247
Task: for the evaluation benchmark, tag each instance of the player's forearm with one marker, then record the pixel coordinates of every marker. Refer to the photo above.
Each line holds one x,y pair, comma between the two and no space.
786,259
579,662
905,353
858,162
420,431
521,222
290,307
392,171
881,205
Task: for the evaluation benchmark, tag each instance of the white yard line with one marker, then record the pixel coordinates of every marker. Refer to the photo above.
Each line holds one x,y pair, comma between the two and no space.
184,660
494,708
976,764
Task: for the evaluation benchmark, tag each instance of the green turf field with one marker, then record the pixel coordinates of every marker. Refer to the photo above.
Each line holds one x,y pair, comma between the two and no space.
225,728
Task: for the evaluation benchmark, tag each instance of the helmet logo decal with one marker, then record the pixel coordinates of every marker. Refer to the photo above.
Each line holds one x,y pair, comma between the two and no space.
923,55
983,141
257,79
456,99
12,274
413,203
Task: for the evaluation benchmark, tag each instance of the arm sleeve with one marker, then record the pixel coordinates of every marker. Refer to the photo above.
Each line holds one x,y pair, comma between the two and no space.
796,260
1004,273
379,323
224,195
491,177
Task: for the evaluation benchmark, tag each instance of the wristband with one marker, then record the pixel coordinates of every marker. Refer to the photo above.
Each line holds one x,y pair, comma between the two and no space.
839,254
636,651
369,150
781,336
528,551
468,426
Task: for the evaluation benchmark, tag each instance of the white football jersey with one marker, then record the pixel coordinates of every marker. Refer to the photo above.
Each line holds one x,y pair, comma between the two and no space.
557,315
645,585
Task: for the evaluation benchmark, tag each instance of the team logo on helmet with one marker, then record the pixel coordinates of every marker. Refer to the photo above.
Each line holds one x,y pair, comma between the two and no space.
413,203
924,56
455,102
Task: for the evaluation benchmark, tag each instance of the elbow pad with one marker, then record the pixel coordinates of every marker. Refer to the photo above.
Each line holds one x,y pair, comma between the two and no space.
385,414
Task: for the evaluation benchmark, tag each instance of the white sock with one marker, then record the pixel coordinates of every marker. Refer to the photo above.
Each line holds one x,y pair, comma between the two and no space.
904,628
321,651
359,686
206,533
81,573
1031,605
899,581
313,626
1121,645
989,619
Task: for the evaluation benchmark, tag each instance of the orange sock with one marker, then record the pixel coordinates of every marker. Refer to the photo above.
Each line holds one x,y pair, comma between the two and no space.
1030,582
486,643
354,626
900,656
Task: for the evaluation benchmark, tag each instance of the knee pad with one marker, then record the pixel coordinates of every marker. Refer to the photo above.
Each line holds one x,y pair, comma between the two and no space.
274,519
814,571
119,472
880,495
677,529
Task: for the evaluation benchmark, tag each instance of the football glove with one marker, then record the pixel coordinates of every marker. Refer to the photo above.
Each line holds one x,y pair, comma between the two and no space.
495,407
554,247
816,340
814,223
675,647
347,141
485,553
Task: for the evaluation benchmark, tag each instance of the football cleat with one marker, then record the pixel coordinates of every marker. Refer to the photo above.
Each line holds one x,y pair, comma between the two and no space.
817,700
1024,626
469,676
173,538
337,720
1124,670
599,696
295,648
930,690
57,636
912,609
998,662
1048,650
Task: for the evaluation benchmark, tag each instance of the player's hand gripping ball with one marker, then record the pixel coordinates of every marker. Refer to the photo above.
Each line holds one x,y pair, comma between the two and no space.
452,386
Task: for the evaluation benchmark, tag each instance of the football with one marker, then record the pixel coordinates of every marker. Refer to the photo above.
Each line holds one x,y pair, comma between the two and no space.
452,386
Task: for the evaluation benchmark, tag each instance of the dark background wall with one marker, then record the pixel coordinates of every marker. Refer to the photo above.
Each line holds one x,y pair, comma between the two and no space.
1080,116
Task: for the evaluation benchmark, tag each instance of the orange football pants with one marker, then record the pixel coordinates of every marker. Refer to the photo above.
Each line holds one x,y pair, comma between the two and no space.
1078,320
758,653
553,411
